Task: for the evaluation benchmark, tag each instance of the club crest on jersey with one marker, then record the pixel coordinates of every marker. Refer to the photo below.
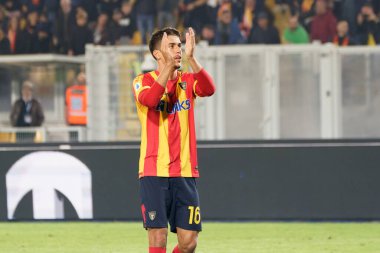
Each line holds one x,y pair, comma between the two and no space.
152,215
183,85
137,86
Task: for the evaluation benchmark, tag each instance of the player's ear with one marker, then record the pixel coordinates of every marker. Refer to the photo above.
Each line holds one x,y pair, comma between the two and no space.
157,54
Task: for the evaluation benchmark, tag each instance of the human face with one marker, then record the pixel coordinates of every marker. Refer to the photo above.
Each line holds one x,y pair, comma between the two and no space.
26,93
175,50
320,7
126,8
293,22
208,33
102,20
81,21
263,22
33,18
342,28
226,17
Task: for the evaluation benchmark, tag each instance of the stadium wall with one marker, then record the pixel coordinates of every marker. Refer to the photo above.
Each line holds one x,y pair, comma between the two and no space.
244,180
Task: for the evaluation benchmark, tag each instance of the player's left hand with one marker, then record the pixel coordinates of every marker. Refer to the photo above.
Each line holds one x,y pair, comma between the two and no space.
190,43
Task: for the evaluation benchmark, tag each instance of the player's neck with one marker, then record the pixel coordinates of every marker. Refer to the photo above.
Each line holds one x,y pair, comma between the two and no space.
174,75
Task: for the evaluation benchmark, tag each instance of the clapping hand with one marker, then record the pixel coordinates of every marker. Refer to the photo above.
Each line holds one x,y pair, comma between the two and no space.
190,43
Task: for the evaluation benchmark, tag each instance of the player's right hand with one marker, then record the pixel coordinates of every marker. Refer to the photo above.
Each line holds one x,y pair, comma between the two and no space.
169,59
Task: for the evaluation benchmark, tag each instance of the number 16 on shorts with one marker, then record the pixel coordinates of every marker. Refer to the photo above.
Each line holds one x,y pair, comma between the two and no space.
195,215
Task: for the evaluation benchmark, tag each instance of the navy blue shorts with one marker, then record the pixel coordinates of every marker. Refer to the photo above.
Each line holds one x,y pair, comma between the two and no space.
174,200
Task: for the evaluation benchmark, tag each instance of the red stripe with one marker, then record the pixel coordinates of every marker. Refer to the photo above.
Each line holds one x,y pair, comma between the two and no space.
150,165
174,138
143,211
193,142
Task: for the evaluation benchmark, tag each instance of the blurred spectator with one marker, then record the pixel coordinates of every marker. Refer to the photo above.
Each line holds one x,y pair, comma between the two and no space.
44,34
90,6
13,34
114,27
81,35
208,34
167,13
63,27
107,6
281,12
248,17
349,12
30,35
34,5
23,16
195,14
227,30
342,37
45,26
12,7
292,4
127,22
307,11
102,35
5,47
145,11
368,26
52,7
3,19
323,25
264,32
27,111
295,33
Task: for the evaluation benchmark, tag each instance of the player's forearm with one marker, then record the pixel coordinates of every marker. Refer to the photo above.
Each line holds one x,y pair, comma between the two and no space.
165,74
205,86
194,64
152,96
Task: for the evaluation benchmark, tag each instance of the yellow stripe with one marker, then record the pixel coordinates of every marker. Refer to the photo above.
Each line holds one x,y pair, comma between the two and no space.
138,80
154,75
163,156
183,117
195,83
143,114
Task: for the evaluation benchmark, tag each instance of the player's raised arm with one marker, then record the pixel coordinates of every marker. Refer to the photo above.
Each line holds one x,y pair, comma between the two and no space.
166,66
204,85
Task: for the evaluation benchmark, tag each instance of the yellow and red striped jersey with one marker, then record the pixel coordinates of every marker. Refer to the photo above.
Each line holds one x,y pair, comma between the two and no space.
168,140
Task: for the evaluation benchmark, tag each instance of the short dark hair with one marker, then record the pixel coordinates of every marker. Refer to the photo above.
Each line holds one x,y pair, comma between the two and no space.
156,38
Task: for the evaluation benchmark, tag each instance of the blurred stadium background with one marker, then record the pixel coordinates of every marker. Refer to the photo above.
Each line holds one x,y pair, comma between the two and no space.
288,145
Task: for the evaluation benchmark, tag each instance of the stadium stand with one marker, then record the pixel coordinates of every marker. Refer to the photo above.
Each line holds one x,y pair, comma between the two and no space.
40,26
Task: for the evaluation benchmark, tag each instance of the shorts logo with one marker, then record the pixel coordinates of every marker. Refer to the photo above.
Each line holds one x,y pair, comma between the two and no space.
137,86
152,215
183,85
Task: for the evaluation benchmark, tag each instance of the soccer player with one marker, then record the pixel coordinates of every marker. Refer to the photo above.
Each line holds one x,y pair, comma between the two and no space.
168,156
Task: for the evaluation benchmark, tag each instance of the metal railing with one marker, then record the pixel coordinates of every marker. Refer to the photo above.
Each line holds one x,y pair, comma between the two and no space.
42,134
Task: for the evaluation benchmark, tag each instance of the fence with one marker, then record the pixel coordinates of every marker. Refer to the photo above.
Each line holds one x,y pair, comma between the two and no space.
263,92
51,75
42,134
